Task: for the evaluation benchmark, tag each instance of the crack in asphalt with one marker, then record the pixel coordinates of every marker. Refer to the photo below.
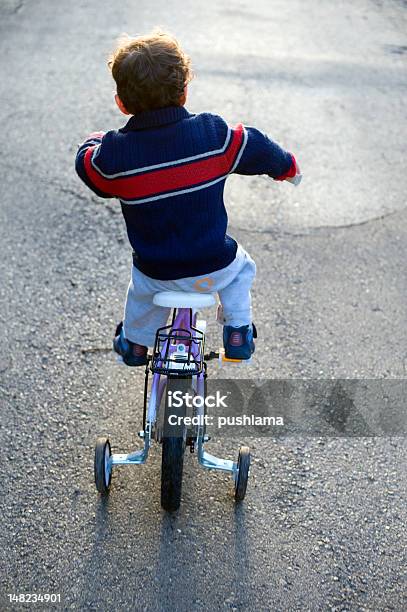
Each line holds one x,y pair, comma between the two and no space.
12,8
71,191
318,229
114,210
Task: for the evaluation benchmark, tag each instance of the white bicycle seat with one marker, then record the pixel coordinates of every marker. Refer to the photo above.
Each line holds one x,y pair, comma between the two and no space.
184,299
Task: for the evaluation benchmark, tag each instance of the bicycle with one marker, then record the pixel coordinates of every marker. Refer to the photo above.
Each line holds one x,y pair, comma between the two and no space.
178,363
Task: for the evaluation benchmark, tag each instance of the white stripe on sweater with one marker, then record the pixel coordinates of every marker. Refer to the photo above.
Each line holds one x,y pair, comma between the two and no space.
163,165
190,189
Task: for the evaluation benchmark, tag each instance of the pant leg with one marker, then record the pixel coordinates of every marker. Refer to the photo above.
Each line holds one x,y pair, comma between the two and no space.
142,318
236,298
232,285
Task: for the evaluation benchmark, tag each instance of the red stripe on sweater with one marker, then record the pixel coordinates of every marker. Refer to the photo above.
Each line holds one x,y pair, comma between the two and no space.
167,179
292,171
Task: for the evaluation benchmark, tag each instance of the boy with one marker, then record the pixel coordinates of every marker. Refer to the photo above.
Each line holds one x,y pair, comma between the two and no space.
168,168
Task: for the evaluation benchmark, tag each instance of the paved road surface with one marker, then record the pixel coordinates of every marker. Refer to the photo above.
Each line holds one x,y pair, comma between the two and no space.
323,526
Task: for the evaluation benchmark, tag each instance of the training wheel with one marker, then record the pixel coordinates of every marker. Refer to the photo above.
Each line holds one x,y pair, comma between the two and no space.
103,465
243,466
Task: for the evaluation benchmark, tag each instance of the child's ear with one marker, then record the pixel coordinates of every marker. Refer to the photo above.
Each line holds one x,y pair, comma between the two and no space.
183,98
121,106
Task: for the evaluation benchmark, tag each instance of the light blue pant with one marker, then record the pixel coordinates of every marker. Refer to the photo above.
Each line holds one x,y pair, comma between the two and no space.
142,318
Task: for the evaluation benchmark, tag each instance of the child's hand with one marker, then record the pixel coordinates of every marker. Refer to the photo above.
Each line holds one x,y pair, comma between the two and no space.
92,138
96,135
296,179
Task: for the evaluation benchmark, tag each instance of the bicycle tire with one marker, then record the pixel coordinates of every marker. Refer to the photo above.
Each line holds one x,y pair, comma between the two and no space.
173,448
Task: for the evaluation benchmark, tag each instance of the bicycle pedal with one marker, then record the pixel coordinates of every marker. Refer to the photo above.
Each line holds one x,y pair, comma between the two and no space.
226,360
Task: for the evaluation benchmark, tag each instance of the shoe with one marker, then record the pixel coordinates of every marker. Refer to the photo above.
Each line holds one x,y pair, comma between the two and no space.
133,354
238,341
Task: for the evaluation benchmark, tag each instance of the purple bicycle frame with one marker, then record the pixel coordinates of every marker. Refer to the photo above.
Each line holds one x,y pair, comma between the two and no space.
182,321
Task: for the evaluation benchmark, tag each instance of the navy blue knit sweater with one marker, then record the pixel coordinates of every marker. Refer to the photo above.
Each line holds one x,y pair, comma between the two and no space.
168,168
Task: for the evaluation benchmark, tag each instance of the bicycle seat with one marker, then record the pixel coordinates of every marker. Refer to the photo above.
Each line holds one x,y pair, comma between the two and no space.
184,299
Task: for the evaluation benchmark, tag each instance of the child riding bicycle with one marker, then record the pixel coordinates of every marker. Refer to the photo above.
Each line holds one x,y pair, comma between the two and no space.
168,168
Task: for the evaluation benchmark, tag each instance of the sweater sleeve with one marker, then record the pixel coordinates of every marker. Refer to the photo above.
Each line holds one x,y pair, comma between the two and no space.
261,155
83,163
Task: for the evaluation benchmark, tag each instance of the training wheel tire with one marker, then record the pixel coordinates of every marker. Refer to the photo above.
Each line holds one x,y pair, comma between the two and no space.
243,466
103,466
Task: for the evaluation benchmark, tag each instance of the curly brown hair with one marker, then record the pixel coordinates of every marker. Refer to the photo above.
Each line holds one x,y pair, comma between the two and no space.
150,71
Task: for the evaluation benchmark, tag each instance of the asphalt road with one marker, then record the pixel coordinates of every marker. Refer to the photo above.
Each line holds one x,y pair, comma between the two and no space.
323,525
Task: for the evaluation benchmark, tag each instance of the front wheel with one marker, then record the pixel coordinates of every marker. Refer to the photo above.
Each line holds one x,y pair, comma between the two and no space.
243,466
103,465
173,444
